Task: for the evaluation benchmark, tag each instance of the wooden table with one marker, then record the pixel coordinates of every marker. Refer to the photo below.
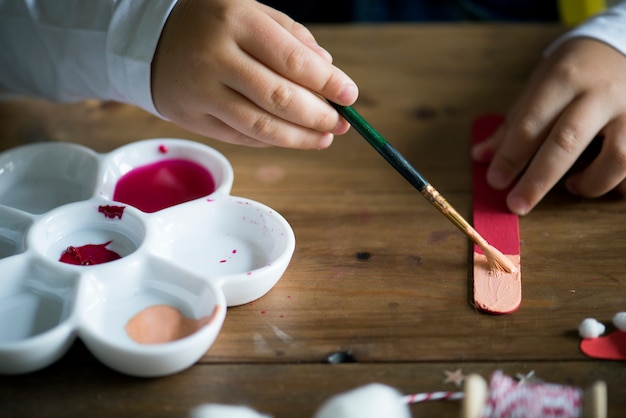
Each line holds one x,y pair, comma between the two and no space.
379,280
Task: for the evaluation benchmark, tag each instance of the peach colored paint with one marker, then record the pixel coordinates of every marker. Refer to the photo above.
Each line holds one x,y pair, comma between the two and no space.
497,291
160,324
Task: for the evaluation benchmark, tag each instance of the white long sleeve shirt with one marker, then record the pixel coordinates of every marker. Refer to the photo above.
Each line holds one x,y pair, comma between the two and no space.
608,27
68,50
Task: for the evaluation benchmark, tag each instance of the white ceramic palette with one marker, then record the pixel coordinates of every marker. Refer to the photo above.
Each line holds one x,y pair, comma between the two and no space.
195,257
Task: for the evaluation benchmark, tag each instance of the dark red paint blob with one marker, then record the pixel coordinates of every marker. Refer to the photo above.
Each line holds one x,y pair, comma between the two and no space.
89,254
163,149
112,211
162,184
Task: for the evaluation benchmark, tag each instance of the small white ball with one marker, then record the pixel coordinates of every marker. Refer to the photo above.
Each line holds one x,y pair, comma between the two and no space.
619,320
225,411
371,401
591,328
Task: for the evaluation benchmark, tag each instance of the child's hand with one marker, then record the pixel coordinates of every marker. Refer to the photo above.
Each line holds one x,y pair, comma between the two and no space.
576,93
241,72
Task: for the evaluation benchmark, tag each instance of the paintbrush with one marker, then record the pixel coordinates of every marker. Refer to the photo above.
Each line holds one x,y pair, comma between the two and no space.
497,260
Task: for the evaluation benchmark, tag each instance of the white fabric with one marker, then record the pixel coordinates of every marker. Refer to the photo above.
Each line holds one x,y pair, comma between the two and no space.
591,328
68,50
619,320
374,400
608,26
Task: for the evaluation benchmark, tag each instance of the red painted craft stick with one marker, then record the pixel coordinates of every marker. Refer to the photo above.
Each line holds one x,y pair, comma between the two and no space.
494,292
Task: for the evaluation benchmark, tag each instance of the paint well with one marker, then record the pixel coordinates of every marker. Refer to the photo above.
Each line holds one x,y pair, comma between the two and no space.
90,254
163,184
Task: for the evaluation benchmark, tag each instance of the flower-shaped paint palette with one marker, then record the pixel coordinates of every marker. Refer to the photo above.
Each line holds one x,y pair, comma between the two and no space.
137,252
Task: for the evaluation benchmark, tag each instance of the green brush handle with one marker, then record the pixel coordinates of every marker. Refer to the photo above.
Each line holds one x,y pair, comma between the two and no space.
381,145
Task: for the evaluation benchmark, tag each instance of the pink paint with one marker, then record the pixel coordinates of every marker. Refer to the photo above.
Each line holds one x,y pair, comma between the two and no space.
162,184
159,324
163,149
224,260
497,293
112,211
88,255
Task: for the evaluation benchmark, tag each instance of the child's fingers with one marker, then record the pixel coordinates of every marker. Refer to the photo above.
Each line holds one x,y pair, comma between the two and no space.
278,49
278,96
528,124
299,31
251,123
608,170
484,151
567,140
519,143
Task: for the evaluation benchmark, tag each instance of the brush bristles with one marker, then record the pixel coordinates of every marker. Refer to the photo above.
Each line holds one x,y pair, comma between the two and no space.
498,261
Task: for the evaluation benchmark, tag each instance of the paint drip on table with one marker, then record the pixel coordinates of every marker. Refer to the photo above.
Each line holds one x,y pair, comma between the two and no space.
163,184
159,324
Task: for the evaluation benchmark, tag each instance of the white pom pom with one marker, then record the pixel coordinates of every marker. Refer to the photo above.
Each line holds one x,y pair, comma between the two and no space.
225,411
371,401
590,328
619,320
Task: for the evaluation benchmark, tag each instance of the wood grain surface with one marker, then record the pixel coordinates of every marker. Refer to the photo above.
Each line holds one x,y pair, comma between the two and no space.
380,281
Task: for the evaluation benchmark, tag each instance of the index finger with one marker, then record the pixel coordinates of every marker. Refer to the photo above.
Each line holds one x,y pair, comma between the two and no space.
288,56
569,137
525,128
299,31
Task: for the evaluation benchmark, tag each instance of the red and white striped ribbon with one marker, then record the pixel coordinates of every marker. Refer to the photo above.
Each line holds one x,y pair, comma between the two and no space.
508,398
433,396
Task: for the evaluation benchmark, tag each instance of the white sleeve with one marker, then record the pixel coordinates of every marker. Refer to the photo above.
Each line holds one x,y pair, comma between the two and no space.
608,27
68,50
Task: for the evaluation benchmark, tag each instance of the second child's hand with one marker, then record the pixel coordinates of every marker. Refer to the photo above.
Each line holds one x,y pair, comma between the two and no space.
576,93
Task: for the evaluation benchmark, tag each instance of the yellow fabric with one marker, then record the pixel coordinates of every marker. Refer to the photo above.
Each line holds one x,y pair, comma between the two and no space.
574,12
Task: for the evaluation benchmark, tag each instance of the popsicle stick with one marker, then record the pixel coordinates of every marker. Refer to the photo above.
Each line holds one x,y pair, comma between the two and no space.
495,292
